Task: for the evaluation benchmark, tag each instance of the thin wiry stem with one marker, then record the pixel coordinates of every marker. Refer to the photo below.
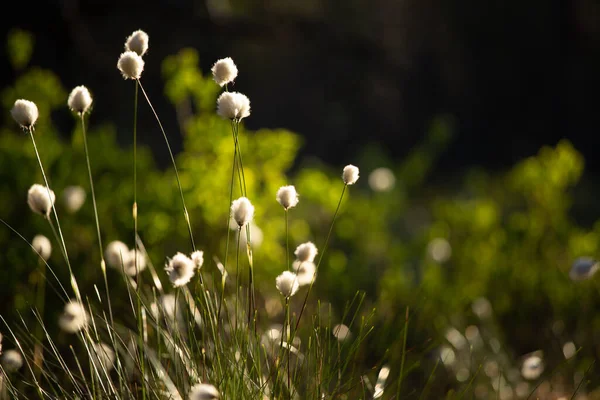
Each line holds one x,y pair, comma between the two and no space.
100,247
185,211
401,375
229,218
287,240
62,240
321,258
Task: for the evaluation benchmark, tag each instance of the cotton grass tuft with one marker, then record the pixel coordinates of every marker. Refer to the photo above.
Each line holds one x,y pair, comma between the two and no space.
233,105
306,252
287,283
131,65
242,211
39,200
203,391
137,42
224,71
12,360
350,174
25,113
180,269
74,317
73,198
42,245
116,254
287,197
79,100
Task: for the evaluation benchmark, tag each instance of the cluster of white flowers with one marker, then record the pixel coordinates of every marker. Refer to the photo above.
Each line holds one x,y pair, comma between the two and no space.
182,268
119,256
74,317
131,63
230,105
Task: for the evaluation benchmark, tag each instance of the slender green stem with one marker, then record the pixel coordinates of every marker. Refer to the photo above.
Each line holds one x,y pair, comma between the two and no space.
229,219
62,240
287,240
237,276
401,375
321,258
40,301
185,211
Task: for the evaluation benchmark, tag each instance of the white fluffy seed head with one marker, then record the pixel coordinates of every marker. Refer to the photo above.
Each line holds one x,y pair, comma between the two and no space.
287,197
25,113
116,254
224,71
131,65
233,105
242,211
39,200
350,174
12,360
341,332
305,270
103,356
306,252
129,265
137,42
532,367
198,258
287,283
74,317
80,99
180,269
42,245
73,198
203,391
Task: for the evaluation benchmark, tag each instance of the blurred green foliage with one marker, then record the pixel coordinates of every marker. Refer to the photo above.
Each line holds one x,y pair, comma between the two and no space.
507,237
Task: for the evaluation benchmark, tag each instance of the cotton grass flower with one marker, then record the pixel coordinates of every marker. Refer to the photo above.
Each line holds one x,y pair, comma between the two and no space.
242,211
42,245
116,254
583,268
131,65
12,360
341,332
137,42
224,71
130,261
40,199
384,373
103,356
198,258
73,198
532,367
306,252
233,105
287,197
350,174
287,284
305,271
25,113
382,179
203,391
74,317
180,269
79,100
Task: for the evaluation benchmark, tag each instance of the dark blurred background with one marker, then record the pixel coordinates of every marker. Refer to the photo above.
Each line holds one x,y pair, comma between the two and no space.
514,75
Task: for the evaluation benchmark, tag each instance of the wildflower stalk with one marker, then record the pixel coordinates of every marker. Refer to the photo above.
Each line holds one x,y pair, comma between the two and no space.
38,358
228,230
62,240
312,282
287,240
401,375
100,247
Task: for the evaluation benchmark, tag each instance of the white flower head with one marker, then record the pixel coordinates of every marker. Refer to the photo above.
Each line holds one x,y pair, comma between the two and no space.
12,360
305,270
40,199
532,367
180,269
242,211
382,179
287,197
233,105
73,198
25,112
198,258
341,332
117,254
129,262
350,174
42,245
203,391
74,317
224,71
287,283
137,42
306,252
131,65
80,99
103,356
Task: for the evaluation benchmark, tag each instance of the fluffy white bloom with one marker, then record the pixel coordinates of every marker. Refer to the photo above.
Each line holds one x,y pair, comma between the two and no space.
384,372
74,317
350,174
137,42
131,65
382,179
129,262
341,332
224,71
287,196
42,245
287,283
305,270
180,269
12,360
79,99
306,252
116,254
233,105
198,258
39,200
73,198
103,356
25,112
242,211
203,391
532,367
167,305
